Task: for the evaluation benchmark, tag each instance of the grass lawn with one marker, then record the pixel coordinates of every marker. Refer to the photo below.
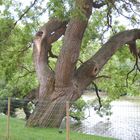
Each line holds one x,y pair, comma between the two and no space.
18,131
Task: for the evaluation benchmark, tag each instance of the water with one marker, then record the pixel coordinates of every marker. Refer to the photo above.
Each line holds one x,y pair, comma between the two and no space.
124,123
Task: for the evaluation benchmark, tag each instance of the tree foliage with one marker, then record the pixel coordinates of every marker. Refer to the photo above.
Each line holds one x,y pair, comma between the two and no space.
21,37
20,22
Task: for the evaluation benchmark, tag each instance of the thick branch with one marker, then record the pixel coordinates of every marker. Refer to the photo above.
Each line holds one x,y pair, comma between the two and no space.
56,35
42,43
72,41
85,73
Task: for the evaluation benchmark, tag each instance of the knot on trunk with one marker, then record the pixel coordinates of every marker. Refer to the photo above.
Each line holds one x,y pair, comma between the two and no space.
95,70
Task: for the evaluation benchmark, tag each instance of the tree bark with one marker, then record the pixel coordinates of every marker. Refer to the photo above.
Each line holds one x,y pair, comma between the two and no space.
50,113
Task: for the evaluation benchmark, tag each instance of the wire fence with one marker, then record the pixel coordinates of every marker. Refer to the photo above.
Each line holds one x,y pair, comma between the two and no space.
123,124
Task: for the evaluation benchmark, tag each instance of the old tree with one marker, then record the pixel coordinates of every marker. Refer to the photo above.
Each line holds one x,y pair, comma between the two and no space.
68,79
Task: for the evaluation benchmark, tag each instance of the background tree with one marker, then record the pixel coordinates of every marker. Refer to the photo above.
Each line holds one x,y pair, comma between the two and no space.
81,25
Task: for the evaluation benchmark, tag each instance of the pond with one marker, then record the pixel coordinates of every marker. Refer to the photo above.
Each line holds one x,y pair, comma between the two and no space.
123,124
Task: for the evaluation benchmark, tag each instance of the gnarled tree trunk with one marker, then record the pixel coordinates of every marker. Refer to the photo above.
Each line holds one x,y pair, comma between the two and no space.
59,86
67,83
49,113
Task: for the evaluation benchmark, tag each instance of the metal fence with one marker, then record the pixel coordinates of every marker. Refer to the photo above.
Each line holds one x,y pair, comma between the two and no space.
123,124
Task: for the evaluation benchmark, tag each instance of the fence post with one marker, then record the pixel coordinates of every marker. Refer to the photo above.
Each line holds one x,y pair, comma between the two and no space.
67,121
8,118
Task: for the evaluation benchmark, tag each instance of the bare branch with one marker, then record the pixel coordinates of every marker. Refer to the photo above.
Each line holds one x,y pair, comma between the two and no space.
130,6
25,68
80,61
109,17
25,48
52,55
102,76
127,76
120,13
24,75
135,67
25,12
97,94
135,51
98,5
135,76
133,48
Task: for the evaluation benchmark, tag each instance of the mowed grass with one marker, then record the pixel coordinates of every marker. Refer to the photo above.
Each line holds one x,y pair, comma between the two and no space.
18,131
